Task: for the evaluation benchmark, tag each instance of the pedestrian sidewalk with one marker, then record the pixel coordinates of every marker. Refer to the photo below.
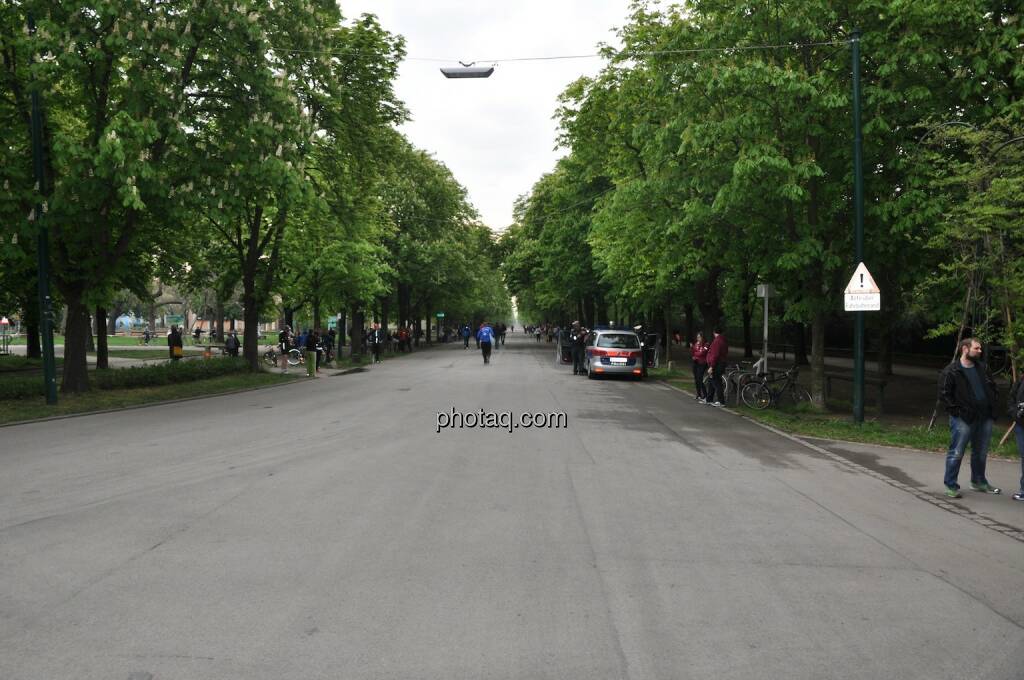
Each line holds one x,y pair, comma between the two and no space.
923,470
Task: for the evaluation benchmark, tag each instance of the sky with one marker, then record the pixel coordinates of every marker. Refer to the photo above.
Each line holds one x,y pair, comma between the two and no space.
496,135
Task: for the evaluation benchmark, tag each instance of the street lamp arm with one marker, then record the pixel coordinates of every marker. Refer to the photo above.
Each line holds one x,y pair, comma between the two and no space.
1005,144
949,123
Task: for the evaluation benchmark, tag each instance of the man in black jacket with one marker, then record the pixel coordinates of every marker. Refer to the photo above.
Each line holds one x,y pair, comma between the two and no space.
376,338
969,395
578,340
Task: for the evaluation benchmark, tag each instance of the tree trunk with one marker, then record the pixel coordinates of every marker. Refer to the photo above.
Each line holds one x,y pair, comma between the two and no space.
688,322
708,302
30,309
748,341
90,344
600,310
385,304
251,317
75,377
316,311
799,335
218,319
668,330
357,333
884,364
102,358
404,303
817,359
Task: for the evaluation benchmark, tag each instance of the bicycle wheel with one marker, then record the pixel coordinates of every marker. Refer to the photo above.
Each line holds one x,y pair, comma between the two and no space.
270,358
998,361
757,396
294,357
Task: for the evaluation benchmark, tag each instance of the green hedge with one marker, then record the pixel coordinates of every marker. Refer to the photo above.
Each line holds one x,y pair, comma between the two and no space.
125,378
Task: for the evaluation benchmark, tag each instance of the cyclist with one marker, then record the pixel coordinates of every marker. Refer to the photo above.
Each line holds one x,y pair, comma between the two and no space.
485,337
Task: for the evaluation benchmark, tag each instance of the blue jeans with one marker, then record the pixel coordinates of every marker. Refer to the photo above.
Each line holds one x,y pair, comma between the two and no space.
978,435
1018,432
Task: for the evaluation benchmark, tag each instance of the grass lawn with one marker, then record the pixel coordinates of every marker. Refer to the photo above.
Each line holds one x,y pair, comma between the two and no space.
99,400
145,353
111,340
837,423
158,340
20,363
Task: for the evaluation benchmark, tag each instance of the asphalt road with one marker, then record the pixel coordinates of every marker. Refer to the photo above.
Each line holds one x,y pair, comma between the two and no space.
325,530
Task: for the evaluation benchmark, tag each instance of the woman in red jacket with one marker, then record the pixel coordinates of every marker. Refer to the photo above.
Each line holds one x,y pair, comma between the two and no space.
699,353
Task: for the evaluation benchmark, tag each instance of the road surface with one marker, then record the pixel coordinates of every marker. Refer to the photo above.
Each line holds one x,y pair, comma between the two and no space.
325,529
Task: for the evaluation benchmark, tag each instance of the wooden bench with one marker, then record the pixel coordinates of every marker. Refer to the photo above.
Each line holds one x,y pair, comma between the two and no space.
869,380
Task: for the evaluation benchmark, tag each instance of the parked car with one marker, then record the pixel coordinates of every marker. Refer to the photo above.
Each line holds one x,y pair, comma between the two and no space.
613,352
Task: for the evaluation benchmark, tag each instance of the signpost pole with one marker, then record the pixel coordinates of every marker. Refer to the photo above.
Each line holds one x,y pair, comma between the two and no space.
43,246
858,207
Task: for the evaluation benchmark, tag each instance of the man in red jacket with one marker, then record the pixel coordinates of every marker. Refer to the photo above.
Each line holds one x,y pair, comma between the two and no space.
718,354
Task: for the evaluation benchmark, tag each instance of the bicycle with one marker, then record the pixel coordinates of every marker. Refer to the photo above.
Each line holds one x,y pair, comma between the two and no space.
272,356
760,394
734,378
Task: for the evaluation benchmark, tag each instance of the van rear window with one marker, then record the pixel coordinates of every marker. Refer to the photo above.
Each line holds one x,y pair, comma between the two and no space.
618,341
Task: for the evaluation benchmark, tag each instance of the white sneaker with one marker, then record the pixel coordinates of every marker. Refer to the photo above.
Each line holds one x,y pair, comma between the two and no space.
717,403
701,400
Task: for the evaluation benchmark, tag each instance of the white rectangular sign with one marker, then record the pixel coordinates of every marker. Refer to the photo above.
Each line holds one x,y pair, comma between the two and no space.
863,302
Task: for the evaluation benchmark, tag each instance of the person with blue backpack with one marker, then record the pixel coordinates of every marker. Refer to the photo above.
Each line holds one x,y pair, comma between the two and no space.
485,336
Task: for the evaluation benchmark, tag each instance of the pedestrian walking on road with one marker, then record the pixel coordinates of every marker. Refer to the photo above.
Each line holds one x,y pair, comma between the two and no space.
485,338
311,360
718,354
699,353
377,337
1015,409
578,340
968,394
284,345
175,345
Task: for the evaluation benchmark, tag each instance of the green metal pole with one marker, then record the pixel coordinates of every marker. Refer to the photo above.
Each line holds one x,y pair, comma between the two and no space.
43,246
858,209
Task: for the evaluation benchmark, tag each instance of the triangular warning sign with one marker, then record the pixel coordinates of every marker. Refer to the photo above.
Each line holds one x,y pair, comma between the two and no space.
861,281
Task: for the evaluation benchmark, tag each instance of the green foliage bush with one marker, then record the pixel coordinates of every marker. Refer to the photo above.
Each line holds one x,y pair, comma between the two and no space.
167,373
127,378
20,387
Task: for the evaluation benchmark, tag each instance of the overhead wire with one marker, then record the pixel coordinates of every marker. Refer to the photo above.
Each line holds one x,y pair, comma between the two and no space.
559,57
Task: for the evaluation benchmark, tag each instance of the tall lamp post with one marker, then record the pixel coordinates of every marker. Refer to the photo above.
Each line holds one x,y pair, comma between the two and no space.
43,246
858,211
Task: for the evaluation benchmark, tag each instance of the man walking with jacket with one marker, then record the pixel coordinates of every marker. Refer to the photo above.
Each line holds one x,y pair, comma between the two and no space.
377,337
968,394
718,354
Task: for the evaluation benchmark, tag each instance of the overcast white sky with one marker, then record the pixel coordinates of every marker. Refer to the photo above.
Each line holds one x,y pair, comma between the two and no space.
496,135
